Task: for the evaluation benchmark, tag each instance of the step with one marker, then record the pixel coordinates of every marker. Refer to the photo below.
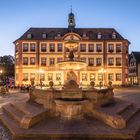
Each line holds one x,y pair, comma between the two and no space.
28,108
13,113
124,108
129,113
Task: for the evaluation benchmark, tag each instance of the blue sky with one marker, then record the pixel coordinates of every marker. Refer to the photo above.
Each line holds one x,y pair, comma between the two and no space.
16,16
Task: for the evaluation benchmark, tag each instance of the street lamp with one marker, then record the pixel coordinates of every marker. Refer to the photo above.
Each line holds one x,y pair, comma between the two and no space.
102,71
39,72
1,71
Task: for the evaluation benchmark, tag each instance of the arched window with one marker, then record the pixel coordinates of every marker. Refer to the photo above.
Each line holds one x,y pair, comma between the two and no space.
29,35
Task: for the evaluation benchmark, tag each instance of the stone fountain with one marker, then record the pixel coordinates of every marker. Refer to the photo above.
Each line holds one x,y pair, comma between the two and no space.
72,112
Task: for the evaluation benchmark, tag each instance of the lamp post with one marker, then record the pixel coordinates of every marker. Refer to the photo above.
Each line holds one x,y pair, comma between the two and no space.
40,71
102,71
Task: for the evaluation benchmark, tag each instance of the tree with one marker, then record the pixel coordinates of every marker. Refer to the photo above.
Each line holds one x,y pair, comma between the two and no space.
7,65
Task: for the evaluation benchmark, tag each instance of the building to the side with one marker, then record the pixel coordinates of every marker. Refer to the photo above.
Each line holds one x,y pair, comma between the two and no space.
134,68
103,49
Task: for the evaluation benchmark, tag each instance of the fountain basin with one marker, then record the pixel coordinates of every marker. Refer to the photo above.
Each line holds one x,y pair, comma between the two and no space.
71,65
70,109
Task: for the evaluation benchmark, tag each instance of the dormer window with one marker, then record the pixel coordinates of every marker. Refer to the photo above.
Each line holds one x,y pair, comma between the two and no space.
44,35
113,35
29,35
84,34
99,36
58,35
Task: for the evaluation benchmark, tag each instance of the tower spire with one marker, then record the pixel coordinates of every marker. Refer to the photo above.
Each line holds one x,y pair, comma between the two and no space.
71,20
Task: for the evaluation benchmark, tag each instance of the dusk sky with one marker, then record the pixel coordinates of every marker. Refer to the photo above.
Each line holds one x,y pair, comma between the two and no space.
16,16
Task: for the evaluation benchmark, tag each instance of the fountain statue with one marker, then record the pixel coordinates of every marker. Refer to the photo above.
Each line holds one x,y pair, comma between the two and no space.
71,112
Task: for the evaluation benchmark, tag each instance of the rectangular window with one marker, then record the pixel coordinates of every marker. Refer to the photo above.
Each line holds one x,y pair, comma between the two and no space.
92,77
59,59
83,47
50,77
42,77
25,60
98,61
43,47
43,61
52,61
52,47
84,76
32,76
59,47
25,47
25,76
32,61
118,61
91,47
110,61
99,47
32,47
110,47
110,77
100,77
91,61
118,47
58,76
118,77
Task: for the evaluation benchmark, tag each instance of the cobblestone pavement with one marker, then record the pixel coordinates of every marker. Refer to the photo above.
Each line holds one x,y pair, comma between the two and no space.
131,94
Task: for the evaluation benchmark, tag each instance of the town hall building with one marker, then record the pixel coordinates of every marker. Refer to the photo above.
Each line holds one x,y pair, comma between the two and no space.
104,50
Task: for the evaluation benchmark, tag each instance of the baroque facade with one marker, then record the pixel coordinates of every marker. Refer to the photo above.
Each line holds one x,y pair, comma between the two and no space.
103,49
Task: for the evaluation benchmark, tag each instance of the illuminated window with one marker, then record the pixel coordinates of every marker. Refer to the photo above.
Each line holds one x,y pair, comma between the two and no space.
52,61
32,76
43,47
32,47
83,47
91,61
118,77
110,47
118,47
25,60
42,76
98,61
100,77
32,61
25,47
52,47
25,76
118,61
50,77
43,61
110,61
92,77
59,47
84,76
58,76
110,77
99,47
90,47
